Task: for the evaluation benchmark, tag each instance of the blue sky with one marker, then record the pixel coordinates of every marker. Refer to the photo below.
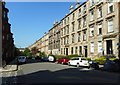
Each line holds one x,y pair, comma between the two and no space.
30,20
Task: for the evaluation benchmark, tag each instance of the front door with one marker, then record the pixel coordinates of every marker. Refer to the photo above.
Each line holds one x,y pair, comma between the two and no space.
66,51
109,47
85,48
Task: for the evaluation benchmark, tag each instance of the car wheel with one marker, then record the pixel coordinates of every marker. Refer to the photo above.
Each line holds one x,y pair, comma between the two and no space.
69,63
62,63
78,65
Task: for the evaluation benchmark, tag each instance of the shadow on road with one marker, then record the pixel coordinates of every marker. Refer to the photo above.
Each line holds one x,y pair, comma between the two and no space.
65,76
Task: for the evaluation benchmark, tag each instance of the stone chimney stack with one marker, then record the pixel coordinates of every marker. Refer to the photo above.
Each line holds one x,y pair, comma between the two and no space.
71,8
77,3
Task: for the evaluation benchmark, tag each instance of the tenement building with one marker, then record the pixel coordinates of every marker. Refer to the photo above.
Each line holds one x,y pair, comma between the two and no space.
54,39
7,37
91,29
40,45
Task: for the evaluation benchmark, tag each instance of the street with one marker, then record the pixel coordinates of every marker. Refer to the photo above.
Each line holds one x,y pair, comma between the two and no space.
36,72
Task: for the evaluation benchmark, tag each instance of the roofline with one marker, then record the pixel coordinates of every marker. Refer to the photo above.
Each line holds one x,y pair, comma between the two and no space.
74,10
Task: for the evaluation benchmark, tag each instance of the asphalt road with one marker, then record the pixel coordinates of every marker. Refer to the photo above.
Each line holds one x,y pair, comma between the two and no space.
36,72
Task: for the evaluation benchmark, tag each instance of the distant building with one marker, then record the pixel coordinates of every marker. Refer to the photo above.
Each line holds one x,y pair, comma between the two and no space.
21,49
54,39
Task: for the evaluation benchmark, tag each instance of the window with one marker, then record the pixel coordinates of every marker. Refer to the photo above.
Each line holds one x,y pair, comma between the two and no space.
99,46
79,37
3,37
79,13
80,49
84,35
92,2
68,40
4,14
99,12
92,31
79,23
99,29
73,26
64,30
73,16
65,22
64,40
73,37
110,6
84,21
92,47
92,15
110,25
76,50
7,36
71,50
61,41
68,19
84,9
68,29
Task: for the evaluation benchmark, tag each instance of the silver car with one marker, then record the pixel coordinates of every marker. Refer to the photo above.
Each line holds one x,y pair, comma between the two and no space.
21,59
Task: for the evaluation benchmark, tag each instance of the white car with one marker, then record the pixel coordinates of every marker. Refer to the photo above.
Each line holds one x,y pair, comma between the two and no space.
79,61
21,59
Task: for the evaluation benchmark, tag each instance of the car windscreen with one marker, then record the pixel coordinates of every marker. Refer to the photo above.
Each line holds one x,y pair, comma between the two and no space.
75,59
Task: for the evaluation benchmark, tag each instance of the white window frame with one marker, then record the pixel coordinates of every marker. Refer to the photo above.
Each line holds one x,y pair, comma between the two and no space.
99,46
110,3
91,29
92,47
110,25
99,26
99,12
92,15
79,37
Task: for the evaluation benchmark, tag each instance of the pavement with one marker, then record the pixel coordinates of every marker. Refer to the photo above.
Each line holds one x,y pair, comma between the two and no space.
12,66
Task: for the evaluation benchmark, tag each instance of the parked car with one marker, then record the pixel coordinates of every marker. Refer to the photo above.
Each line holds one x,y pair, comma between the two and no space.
79,61
94,64
63,60
51,58
21,59
111,65
44,59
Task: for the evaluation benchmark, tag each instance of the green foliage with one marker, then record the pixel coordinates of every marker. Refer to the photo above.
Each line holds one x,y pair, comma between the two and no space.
102,59
58,56
72,56
89,59
26,52
42,54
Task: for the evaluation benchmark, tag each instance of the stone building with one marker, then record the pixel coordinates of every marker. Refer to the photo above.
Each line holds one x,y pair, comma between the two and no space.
54,39
91,29
40,45
7,37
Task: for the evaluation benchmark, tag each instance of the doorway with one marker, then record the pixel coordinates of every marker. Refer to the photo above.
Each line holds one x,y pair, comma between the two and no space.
85,48
109,48
66,51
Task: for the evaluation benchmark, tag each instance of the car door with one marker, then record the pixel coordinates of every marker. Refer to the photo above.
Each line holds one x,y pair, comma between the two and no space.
83,62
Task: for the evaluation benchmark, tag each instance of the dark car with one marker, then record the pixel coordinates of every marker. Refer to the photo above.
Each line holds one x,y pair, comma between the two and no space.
111,65
44,59
94,64
63,60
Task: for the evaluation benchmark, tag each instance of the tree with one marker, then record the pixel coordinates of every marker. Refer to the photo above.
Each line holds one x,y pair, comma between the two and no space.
27,52
34,51
42,54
